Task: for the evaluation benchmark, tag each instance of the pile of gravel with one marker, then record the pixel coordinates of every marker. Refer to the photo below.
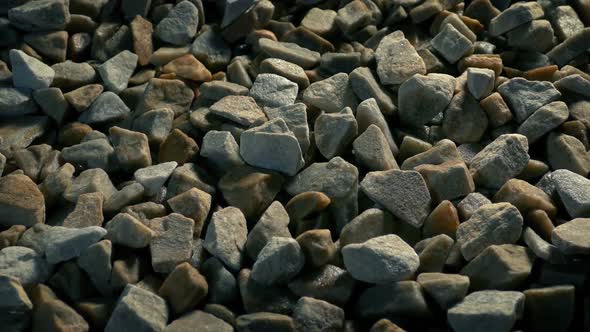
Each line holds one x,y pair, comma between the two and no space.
297,165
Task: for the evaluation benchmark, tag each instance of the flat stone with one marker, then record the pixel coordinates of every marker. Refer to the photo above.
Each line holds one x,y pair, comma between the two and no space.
365,85
567,152
573,190
295,116
211,49
172,241
500,267
156,124
331,94
544,120
515,16
451,43
194,204
240,109
16,306
188,67
316,315
226,237
88,211
271,90
178,147
368,113
265,320
128,231
290,52
71,75
16,102
141,31
445,289
25,265
389,257
62,243
184,288
470,204
161,93
81,98
403,298
187,176
96,262
152,178
95,153
525,97
550,308
28,72
278,262
422,97
541,248
179,27
223,286
288,70
53,103
498,223
403,193
464,121
487,311
437,180
525,197
274,222
108,107
117,71
443,151
272,146
571,237
21,202
397,60
500,160
138,309
89,181
40,15
206,322
335,132
372,151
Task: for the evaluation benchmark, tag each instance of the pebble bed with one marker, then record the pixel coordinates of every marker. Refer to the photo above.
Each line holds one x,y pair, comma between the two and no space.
296,165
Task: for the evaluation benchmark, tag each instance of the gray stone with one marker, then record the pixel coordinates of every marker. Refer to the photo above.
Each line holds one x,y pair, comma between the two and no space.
179,27
194,204
316,315
278,262
515,16
235,8
152,178
368,113
353,17
33,238
223,286
271,90
422,97
71,75
171,243
403,193
156,124
397,60
89,181
574,84
288,70
16,102
96,153
226,237
138,310
535,36
24,264
53,103
272,146
372,151
541,248
206,322
328,283
480,82
500,267
132,149
21,202
331,94
242,110
96,262
365,86
274,222
567,152
443,151
499,223
565,22
187,176
117,71
261,298
290,52
88,212
335,132
383,259
211,49
464,120
487,311
524,96
40,15
295,116
62,243
130,194
451,43
573,191
572,237
471,203
500,160
16,307
369,224
28,72
544,120
403,298
108,107
126,230
445,289
221,150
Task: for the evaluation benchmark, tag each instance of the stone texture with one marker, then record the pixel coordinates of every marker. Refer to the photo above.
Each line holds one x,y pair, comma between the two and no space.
446,289
139,310
88,211
117,71
317,315
16,102
422,97
295,116
126,230
179,27
96,262
278,262
89,181
331,94
567,152
516,15
28,72
372,151
242,110
464,121
188,67
524,96
62,243
132,149
334,132
108,107
273,222
572,237
437,180
451,43
543,120
161,93
226,237
152,178
21,202
25,265
271,90
183,289
172,241
40,15
525,197
397,60
487,311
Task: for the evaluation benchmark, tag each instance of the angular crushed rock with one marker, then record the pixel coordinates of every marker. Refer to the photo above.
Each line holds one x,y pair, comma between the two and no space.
397,60
490,310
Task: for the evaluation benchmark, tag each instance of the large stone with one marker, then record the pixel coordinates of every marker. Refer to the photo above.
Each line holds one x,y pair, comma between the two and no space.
335,132
16,102
499,223
179,27
274,222
16,307
278,262
316,315
397,60
524,97
62,243
108,107
451,43
138,310
372,151
515,16
500,160
226,237
152,178
403,193
40,15
487,311
403,298
422,97
242,110
115,72
88,211
21,202
331,94
525,197
89,181
295,116
184,288
543,120
271,90
447,181
574,192
172,241
567,152
128,231
161,93
383,259
132,149
572,237
28,72
24,264
446,289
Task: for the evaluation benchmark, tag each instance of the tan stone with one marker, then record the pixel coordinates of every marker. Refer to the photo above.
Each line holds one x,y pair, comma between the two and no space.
194,204
525,197
178,147
184,288
188,67
21,202
307,203
444,219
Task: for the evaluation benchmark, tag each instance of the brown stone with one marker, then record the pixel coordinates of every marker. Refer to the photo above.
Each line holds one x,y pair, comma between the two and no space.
317,246
96,312
88,211
126,271
385,325
178,147
21,202
142,30
184,288
51,314
173,94
194,204
306,204
444,219
533,170
82,97
73,133
544,73
250,189
525,197
539,221
498,112
188,67
490,61
9,237
447,181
